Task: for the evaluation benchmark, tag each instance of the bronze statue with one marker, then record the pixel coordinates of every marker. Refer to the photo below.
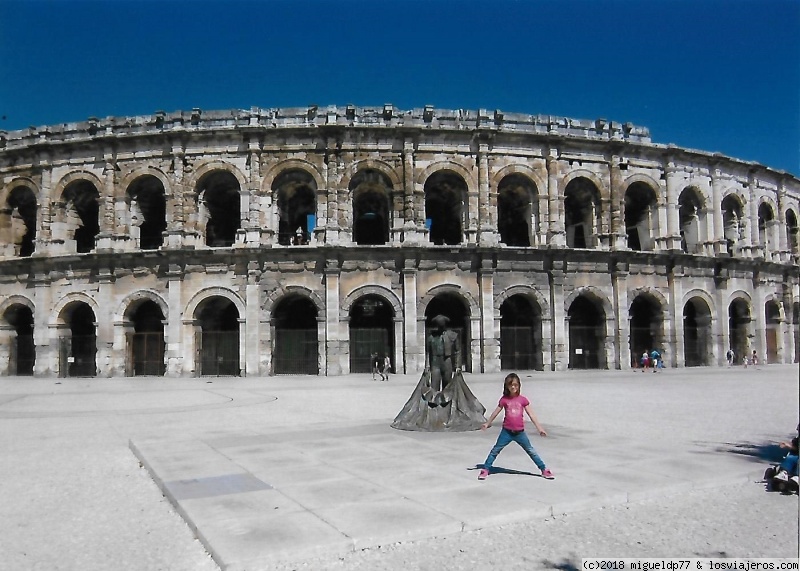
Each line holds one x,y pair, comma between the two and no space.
441,400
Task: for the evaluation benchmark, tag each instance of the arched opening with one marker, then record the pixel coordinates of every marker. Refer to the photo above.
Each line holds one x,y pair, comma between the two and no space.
22,355
641,216
796,330
218,337
81,200
772,314
371,332
445,200
517,210
146,348
691,219
297,206
647,326
22,202
581,213
148,207
452,306
586,321
696,333
219,194
733,223
739,327
296,337
766,222
792,232
520,334
78,349
371,212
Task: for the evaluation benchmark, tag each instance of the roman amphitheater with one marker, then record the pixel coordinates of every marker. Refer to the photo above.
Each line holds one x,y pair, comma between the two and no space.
305,240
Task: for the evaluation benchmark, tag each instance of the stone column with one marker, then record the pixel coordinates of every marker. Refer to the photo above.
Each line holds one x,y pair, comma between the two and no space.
490,352
335,351
108,364
487,223
673,231
411,223
331,214
758,317
717,230
252,321
675,356
255,218
618,239
177,231
46,346
414,350
556,235
8,336
788,324
560,347
756,249
720,328
104,239
783,246
180,356
622,335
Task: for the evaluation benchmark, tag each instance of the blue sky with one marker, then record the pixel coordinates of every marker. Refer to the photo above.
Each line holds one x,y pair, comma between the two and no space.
717,75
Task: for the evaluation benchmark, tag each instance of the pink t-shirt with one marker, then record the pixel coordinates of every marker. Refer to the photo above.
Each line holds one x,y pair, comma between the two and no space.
514,409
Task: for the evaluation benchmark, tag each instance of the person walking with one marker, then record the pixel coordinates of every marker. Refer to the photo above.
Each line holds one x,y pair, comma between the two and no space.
514,426
387,368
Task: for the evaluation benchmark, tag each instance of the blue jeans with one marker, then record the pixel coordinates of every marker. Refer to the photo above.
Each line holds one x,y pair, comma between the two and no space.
790,464
505,438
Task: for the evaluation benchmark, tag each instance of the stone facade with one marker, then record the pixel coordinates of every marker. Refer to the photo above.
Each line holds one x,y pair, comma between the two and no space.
272,241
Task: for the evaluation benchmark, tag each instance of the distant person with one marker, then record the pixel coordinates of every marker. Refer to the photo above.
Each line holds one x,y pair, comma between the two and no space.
376,365
754,358
644,361
514,426
730,356
655,360
386,368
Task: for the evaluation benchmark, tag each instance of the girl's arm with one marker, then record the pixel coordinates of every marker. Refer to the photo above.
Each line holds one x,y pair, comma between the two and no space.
535,422
488,423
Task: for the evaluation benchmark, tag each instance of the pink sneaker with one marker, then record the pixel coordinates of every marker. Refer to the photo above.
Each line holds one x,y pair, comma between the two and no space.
483,473
547,474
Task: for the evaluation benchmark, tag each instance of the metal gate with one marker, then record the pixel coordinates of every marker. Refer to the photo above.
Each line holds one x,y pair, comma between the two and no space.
584,346
77,356
518,349
296,352
363,343
22,356
218,353
145,354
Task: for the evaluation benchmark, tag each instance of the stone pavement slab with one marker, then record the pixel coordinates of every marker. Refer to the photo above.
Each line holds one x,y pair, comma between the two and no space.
285,494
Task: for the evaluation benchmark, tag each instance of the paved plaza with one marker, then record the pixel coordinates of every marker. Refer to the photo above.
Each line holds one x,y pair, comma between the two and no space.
293,472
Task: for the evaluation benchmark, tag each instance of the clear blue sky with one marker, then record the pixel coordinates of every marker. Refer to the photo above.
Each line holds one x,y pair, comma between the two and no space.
717,75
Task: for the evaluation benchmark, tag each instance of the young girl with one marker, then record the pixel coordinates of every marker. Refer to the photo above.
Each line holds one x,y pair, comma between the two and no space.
513,426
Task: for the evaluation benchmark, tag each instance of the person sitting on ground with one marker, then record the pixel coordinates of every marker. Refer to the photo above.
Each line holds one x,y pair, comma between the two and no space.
784,476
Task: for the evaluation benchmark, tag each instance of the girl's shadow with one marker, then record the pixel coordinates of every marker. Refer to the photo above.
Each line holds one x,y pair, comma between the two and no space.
499,470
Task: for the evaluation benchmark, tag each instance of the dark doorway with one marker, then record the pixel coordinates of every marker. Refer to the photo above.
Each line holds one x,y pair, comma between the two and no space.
646,320
218,346
296,337
696,333
773,321
79,349
581,213
149,211
739,327
23,350
371,207
371,332
22,202
640,216
586,335
520,334
83,198
146,343
296,198
445,197
451,306
691,219
516,203
220,194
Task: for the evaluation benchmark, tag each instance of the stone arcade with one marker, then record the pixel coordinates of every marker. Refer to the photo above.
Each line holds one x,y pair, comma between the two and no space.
304,240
